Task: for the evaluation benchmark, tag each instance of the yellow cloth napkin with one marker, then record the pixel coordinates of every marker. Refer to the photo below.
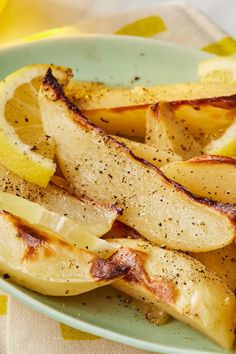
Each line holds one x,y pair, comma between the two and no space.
23,331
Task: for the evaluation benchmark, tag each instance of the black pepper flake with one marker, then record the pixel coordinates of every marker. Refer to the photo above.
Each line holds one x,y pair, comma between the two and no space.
104,120
34,148
6,276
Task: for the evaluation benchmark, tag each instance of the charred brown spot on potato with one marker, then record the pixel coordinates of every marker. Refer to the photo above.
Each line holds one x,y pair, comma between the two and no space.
34,238
31,240
131,264
121,230
48,252
108,268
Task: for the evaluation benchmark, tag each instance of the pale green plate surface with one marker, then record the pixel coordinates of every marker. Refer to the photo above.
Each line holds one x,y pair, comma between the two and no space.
115,60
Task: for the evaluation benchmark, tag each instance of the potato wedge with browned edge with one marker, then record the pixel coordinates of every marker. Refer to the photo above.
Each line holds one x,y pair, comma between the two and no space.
95,217
97,164
208,176
121,111
177,283
165,131
206,119
222,262
41,262
116,97
158,157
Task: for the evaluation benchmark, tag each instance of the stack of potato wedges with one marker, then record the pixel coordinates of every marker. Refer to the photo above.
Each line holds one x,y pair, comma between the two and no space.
148,176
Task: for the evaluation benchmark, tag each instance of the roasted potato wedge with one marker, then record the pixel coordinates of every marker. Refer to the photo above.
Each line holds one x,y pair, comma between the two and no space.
156,156
41,262
222,262
206,119
165,131
213,177
179,284
161,210
95,217
116,97
121,111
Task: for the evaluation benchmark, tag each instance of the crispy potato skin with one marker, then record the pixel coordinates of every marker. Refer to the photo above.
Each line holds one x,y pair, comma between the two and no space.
105,166
227,102
213,159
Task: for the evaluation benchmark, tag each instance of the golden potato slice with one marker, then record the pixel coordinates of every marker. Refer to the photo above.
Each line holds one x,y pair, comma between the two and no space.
124,121
213,177
165,131
94,217
156,156
41,262
158,208
114,97
121,111
222,262
206,119
180,285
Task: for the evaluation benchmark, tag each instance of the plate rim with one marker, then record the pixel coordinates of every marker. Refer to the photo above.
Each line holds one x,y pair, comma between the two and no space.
90,328
116,37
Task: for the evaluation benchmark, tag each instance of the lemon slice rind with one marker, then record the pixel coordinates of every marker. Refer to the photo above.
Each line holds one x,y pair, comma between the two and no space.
15,155
217,70
225,145
62,227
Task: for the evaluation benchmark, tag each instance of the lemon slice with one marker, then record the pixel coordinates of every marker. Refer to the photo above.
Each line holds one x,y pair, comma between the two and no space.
25,149
62,226
225,145
217,70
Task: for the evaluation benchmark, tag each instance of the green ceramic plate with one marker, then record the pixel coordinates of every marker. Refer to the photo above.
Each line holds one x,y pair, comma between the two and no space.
114,60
